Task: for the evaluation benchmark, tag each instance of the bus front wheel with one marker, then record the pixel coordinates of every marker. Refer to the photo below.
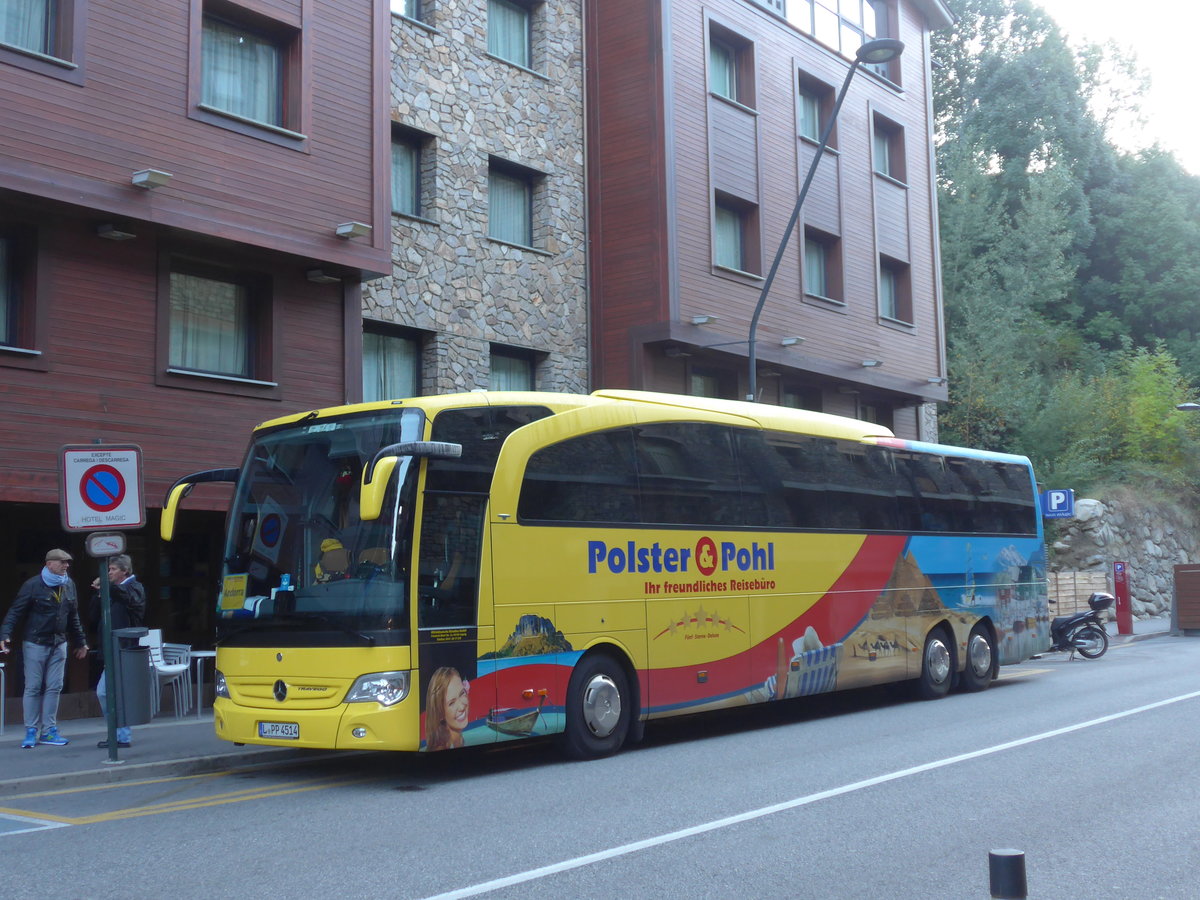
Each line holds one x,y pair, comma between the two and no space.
597,708
937,666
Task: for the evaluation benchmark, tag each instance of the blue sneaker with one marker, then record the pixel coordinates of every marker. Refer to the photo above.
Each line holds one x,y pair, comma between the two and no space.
53,738
30,739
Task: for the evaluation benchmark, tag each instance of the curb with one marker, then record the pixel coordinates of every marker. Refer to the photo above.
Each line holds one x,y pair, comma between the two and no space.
195,765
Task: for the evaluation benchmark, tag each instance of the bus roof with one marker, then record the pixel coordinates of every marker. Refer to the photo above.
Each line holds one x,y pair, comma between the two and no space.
762,415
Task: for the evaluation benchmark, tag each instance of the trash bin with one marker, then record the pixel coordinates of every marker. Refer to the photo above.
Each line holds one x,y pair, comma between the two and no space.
132,677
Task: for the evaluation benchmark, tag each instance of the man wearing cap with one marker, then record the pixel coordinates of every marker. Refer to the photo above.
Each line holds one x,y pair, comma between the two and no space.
45,610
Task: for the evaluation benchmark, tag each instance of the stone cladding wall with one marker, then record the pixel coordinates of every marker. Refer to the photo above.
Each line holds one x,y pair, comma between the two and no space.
1152,538
462,289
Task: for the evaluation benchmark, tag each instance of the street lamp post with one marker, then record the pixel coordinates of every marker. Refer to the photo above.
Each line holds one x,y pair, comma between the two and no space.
872,52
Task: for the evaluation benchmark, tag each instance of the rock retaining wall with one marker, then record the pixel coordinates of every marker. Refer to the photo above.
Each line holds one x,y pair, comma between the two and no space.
1151,537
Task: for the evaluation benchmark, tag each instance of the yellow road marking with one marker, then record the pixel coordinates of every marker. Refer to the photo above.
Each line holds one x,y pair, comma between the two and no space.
119,784
1007,675
182,805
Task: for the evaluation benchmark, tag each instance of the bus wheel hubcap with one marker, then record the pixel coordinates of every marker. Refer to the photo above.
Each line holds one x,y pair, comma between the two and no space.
980,655
937,659
601,706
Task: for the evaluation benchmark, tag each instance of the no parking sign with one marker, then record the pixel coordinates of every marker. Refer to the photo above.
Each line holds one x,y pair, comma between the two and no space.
100,487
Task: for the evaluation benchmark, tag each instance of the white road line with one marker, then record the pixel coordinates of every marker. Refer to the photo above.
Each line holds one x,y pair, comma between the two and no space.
659,840
35,825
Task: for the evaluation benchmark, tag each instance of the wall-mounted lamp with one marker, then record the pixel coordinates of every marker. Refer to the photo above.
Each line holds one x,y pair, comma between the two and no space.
704,320
352,230
792,341
150,178
111,232
320,276
871,363
936,379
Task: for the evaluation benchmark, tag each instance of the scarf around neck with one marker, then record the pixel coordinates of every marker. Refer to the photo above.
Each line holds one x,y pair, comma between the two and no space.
52,580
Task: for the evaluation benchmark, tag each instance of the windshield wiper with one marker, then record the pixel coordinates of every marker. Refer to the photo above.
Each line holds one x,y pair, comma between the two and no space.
262,624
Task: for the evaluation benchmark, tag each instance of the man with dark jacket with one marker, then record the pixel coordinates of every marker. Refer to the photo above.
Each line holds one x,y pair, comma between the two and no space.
45,610
127,609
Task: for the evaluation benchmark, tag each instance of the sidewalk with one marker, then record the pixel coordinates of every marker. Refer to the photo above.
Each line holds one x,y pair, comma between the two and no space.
1142,629
166,747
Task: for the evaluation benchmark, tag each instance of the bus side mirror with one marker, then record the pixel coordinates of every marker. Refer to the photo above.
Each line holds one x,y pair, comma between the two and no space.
378,472
166,524
183,487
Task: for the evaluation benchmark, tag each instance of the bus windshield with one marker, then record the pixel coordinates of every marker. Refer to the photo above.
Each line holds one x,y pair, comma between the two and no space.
301,568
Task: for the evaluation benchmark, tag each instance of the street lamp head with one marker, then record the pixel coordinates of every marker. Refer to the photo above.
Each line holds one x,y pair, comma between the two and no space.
1188,407
880,51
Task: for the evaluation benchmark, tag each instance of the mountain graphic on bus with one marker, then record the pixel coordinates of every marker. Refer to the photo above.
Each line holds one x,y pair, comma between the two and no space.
534,636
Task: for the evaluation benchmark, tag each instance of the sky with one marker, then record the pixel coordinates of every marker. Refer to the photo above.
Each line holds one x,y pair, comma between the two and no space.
1145,28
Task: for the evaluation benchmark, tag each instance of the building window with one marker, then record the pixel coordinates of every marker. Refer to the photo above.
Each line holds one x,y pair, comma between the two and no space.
888,148
22,317
30,25
210,326
410,9
407,161
511,369
895,291
822,265
844,25
391,364
44,36
814,106
801,398
735,234
510,28
248,69
730,66
510,203
9,297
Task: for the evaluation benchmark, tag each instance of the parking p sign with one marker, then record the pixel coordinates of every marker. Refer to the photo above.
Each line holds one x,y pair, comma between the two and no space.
1058,504
100,487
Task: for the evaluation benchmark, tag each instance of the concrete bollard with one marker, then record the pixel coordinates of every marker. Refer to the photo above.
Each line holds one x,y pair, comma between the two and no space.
1006,872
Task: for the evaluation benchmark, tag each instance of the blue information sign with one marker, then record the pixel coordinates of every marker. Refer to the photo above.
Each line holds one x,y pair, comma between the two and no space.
1058,504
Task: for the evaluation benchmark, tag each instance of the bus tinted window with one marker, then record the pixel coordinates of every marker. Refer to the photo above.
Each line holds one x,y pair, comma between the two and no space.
592,478
688,474
481,430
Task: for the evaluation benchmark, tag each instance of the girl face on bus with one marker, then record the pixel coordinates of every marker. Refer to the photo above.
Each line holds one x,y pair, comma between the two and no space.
457,704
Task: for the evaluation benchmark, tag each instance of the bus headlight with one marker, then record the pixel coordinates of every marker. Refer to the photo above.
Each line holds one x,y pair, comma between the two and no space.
384,688
220,688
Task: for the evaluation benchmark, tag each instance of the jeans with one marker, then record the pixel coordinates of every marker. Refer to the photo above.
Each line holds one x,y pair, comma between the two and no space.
124,732
44,668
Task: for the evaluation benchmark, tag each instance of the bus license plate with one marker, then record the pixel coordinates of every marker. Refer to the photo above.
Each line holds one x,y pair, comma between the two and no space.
290,730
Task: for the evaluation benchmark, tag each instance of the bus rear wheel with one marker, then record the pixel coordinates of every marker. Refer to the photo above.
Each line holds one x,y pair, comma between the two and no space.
937,666
981,658
598,709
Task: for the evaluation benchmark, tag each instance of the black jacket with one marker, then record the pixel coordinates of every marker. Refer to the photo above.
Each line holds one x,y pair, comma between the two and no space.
44,615
127,605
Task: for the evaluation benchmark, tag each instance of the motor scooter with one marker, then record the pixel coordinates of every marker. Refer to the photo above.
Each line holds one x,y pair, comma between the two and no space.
1083,632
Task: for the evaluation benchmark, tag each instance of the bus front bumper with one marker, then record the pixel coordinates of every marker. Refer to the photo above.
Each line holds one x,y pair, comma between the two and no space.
346,726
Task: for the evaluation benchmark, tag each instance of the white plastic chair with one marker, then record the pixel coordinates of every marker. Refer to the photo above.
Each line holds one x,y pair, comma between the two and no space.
168,672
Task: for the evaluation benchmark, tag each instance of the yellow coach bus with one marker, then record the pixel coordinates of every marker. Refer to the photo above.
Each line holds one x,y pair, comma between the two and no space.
439,572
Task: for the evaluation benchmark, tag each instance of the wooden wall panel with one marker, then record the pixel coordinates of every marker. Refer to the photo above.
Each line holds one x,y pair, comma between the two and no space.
81,143
99,382
627,174
891,218
733,143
